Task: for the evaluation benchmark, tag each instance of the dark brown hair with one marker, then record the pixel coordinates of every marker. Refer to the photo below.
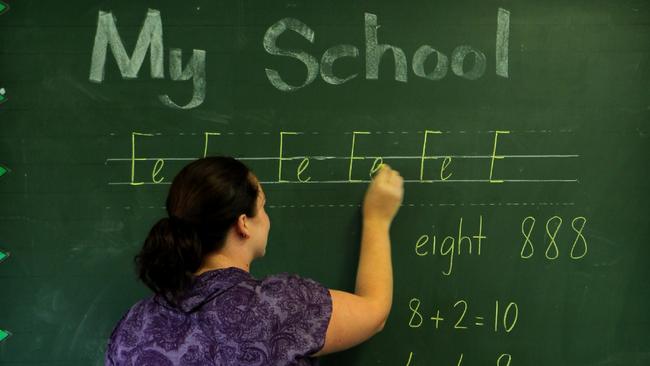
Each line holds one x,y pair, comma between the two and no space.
205,199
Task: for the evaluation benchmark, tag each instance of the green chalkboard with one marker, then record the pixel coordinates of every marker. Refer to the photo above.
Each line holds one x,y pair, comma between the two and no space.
521,128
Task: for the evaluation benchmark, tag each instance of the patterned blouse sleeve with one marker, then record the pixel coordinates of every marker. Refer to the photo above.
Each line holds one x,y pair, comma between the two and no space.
300,313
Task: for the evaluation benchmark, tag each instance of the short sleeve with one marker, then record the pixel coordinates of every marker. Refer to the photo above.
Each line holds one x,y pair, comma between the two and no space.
300,314
111,345
125,333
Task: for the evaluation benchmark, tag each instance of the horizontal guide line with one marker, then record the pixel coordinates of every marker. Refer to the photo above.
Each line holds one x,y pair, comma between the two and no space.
405,181
428,157
434,204
336,133
432,181
342,205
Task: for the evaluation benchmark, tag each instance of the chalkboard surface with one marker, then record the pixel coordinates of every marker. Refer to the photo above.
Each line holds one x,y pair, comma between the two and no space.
521,128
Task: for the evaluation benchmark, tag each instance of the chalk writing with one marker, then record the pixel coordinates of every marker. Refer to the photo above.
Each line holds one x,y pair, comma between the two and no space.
134,159
280,158
508,322
150,38
352,157
195,70
306,165
374,52
458,325
503,36
504,359
445,164
376,165
421,55
310,62
408,363
156,169
580,240
527,225
416,317
424,153
553,224
205,143
504,319
494,156
579,246
450,246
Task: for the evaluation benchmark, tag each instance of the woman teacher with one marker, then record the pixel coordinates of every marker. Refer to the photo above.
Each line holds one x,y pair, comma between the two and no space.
208,310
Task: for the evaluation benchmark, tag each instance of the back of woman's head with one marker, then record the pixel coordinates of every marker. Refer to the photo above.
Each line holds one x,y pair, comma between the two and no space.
205,199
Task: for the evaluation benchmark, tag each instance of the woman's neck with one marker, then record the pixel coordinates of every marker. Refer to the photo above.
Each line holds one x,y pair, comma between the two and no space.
220,260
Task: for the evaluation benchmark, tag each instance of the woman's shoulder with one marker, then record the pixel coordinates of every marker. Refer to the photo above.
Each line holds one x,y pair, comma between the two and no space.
289,283
288,291
134,317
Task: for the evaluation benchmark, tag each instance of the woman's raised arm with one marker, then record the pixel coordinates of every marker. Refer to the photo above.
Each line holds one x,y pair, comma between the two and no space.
358,316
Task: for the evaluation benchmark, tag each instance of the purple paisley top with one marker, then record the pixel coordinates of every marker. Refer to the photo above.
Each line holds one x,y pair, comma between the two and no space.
226,318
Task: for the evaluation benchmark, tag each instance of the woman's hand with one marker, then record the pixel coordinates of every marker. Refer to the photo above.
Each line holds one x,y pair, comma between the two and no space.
384,196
